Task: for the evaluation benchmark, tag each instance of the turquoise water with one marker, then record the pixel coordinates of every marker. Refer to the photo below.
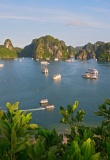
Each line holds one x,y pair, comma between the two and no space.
23,82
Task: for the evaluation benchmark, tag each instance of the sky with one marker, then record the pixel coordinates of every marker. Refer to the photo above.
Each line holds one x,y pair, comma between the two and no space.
76,22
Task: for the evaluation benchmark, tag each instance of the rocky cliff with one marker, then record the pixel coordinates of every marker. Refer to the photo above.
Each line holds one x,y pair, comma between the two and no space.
7,50
48,47
99,50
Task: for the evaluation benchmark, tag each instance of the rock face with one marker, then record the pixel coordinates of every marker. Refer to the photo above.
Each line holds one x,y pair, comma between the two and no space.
48,47
8,44
84,54
7,50
99,50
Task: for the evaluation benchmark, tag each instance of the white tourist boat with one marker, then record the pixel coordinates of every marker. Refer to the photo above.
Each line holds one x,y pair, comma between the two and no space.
50,106
55,59
90,76
20,60
44,70
1,65
44,101
56,76
44,62
92,71
69,60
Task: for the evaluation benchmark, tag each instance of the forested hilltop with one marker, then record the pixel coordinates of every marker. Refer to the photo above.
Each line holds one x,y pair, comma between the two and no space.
7,50
99,50
50,47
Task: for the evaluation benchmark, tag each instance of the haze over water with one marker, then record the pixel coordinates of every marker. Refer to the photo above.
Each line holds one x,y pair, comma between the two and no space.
24,82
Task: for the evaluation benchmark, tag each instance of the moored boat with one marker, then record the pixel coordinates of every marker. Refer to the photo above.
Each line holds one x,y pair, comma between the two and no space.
55,59
1,65
69,60
44,70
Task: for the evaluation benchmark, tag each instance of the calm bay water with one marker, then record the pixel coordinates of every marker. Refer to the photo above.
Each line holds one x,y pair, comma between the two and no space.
24,82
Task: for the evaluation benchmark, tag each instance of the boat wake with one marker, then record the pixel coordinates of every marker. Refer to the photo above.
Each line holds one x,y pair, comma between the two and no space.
36,109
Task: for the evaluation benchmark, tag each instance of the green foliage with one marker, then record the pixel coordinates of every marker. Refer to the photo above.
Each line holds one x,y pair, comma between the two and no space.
99,50
68,114
19,139
6,53
15,131
47,47
102,133
103,52
18,51
84,152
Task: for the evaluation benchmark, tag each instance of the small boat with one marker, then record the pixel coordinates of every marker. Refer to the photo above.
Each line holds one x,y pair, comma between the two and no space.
90,76
44,101
1,65
49,106
69,60
56,76
94,76
92,71
20,59
86,75
44,62
44,70
55,59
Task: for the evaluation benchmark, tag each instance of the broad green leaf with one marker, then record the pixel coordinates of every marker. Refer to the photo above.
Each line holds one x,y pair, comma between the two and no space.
20,131
1,113
77,155
64,120
46,133
26,119
8,105
38,148
51,156
61,108
107,101
108,150
20,147
30,151
53,149
74,146
73,108
33,126
4,144
96,156
13,138
80,115
87,149
13,107
5,129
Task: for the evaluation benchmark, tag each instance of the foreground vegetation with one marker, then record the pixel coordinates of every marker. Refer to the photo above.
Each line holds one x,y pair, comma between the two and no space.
19,139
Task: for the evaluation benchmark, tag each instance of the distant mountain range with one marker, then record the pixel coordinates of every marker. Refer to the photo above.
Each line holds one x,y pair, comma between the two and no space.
50,47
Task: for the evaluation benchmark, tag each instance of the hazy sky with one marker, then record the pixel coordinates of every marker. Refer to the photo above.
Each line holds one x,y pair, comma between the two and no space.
76,22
